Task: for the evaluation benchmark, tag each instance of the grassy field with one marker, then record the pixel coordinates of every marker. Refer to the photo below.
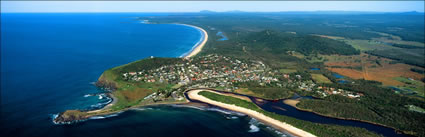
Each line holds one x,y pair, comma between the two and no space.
378,43
319,78
410,86
365,45
287,70
132,93
246,91
362,44
324,130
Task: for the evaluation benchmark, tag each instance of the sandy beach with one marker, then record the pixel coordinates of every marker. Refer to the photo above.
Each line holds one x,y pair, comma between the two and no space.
291,102
198,47
193,94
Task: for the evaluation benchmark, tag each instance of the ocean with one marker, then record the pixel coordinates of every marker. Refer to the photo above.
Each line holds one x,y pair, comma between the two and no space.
49,62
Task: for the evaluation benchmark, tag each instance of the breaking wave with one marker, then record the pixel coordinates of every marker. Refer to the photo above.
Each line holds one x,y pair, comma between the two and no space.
253,127
102,104
188,106
105,116
141,109
228,112
88,95
232,117
279,133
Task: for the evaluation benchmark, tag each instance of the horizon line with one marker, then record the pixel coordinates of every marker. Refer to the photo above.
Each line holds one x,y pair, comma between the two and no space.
231,11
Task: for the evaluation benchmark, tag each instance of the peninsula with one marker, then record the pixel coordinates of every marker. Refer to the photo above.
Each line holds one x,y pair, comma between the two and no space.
344,75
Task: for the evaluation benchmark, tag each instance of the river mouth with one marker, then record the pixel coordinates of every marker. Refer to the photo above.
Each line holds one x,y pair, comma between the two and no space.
279,107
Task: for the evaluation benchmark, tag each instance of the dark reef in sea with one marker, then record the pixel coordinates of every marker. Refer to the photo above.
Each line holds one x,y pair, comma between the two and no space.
70,116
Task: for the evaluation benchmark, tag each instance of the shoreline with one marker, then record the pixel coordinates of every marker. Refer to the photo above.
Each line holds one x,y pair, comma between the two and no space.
194,51
193,94
199,45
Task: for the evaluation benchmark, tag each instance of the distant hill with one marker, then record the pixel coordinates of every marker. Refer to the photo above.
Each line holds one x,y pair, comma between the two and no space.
278,43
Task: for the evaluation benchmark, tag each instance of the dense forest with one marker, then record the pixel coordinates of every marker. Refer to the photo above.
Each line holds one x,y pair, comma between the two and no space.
278,43
409,26
408,56
379,105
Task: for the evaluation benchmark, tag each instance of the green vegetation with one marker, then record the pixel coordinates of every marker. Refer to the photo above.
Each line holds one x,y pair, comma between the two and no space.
70,116
412,86
130,93
407,46
366,45
287,70
266,92
277,43
420,71
408,56
352,26
264,37
379,105
145,64
319,78
324,130
416,109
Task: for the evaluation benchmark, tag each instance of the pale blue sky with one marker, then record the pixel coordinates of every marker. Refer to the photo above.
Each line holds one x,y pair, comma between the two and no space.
195,6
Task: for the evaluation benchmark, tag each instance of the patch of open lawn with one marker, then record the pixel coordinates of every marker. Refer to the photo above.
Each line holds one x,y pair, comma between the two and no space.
319,78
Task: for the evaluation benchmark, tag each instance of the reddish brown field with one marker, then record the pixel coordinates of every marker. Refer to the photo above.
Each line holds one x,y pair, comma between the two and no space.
370,69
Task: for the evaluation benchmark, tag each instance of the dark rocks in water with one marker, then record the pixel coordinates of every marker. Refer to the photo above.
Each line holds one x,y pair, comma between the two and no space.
70,116
106,85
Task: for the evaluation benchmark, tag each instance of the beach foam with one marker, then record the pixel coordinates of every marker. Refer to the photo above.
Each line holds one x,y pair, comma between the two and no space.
88,95
279,133
254,125
188,106
141,109
102,104
105,116
224,111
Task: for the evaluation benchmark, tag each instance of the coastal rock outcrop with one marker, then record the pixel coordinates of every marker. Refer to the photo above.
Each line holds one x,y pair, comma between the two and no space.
103,82
70,116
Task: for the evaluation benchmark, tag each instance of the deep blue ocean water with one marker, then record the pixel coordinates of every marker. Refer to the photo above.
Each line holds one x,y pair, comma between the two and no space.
49,62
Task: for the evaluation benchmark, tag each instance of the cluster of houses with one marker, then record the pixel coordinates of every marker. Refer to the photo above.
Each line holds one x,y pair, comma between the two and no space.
325,91
221,70
216,71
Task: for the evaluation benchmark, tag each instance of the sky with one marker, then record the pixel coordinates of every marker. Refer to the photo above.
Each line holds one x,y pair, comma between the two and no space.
219,6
